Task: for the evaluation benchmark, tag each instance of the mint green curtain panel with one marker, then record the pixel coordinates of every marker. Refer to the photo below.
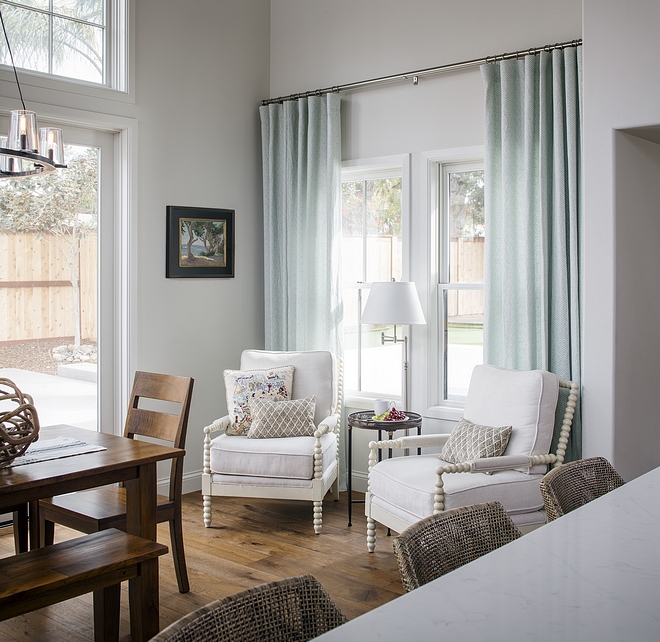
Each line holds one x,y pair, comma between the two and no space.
301,152
533,211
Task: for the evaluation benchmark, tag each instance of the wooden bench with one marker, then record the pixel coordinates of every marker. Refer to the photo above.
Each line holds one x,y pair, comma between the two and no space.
98,562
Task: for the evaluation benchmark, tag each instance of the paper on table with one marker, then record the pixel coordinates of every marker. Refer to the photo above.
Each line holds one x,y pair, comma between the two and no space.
56,448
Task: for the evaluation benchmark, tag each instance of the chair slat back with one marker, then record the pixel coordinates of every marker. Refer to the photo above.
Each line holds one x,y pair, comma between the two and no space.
161,425
153,423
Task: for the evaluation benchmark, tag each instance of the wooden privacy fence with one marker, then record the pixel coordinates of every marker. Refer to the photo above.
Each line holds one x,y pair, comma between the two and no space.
36,295
467,266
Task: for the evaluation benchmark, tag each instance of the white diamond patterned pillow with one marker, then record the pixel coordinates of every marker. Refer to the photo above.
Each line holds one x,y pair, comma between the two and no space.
469,441
272,419
244,385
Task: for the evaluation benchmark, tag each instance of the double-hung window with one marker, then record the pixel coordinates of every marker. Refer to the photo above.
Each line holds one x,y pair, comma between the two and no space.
82,40
373,221
461,276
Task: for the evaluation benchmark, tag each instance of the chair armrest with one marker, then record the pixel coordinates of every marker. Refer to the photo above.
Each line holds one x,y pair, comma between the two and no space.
219,424
493,464
411,441
328,424
486,465
507,462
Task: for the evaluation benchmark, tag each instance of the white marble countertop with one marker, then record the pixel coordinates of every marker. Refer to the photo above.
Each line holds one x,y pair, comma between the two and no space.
593,574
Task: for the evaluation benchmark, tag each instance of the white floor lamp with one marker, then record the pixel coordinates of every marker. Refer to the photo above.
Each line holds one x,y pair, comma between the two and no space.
394,303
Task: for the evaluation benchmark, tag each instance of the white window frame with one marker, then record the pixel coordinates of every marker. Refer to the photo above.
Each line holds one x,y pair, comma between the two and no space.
369,169
118,59
433,173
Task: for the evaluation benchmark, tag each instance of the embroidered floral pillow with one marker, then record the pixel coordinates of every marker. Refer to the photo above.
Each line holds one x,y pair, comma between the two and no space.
469,441
243,385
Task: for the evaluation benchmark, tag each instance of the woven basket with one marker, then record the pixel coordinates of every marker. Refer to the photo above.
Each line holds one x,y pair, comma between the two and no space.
19,427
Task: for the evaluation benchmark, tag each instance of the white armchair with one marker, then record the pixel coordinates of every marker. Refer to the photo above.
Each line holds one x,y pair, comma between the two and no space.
295,468
404,490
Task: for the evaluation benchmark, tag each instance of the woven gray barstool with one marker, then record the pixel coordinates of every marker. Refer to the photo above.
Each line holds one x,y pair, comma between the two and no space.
577,483
441,543
295,609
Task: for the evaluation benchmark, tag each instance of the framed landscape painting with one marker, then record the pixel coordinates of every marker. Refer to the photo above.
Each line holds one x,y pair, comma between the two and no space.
200,242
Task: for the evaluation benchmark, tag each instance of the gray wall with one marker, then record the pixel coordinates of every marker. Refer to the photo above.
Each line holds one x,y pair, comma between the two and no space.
322,43
202,68
621,234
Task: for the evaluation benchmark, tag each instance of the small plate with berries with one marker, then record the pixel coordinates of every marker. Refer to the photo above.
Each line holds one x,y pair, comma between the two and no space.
391,415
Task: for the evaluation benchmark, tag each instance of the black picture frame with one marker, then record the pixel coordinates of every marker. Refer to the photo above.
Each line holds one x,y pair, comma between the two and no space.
210,254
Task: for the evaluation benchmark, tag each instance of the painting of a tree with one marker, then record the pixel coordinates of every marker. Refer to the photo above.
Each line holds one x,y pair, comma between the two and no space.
61,207
203,241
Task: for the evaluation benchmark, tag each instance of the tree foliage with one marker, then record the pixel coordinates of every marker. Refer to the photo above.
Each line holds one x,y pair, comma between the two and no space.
382,199
70,47
466,191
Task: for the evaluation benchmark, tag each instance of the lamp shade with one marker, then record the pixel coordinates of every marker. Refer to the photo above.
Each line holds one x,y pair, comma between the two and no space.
23,130
51,145
393,303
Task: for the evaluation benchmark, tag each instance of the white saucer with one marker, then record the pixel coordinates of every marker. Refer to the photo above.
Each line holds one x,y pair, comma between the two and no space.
385,421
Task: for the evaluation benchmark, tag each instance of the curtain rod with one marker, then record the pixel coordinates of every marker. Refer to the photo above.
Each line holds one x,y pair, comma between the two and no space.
414,75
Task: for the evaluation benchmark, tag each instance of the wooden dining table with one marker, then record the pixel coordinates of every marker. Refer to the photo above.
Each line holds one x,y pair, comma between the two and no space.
124,460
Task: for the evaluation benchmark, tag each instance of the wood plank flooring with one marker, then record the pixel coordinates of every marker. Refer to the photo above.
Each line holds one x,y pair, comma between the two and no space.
251,541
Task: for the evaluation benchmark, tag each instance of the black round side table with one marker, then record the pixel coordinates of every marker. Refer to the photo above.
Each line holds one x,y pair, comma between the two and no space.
365,420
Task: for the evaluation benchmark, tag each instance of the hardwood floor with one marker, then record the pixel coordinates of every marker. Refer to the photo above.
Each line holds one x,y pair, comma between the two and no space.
251,541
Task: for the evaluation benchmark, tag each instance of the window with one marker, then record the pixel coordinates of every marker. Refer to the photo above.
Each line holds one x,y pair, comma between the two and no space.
372,250
461,275
65,38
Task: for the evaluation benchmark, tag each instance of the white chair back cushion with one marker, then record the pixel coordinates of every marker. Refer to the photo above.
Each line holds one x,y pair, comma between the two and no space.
314,374
523,399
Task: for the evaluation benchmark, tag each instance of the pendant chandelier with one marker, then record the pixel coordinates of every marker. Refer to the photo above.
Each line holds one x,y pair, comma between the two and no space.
28,150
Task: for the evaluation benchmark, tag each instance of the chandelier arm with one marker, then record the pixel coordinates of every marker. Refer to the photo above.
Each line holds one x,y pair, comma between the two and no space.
11,57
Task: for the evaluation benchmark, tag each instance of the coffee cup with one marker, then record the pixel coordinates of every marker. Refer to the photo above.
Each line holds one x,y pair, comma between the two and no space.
381,406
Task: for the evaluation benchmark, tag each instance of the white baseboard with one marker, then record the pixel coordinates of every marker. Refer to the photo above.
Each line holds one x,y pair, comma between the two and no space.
191,482
360,481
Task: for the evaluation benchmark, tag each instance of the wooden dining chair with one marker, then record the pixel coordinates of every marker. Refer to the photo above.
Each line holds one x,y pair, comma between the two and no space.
21,529
101,508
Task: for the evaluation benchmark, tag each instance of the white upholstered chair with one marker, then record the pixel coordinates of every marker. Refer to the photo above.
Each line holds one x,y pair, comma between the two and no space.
404,490
294,468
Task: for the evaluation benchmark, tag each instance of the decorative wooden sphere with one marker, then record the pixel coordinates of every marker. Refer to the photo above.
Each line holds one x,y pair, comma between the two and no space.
19,427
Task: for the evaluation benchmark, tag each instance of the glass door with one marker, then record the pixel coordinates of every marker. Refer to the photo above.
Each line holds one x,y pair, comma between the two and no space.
57,283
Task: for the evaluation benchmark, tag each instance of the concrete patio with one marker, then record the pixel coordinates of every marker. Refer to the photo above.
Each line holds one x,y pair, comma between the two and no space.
58,399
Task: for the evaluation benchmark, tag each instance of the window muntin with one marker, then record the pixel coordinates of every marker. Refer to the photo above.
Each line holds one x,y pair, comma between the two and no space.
62,38
372,250
461,295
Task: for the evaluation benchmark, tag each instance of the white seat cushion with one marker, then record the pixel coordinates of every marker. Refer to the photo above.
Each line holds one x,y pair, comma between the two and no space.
525,400
405,487
271,482
314,374
290,457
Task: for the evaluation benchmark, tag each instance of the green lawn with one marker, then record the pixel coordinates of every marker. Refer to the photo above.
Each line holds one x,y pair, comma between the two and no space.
465,334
